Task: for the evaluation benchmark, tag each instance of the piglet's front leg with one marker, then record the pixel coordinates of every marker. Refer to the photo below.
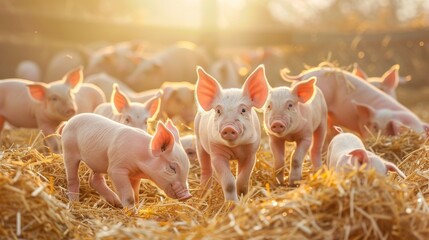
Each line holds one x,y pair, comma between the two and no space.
123,186
51,139
302,147
98,183
278,149
245,168
225,177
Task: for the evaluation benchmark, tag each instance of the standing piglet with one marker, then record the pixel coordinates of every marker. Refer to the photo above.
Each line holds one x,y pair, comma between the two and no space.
297,114
121,109
127,155
228,128
346,151
38,105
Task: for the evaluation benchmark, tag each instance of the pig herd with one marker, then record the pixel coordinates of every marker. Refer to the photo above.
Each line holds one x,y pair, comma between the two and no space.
112,137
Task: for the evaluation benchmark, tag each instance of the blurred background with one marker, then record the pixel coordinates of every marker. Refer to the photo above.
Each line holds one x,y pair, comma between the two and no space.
376,34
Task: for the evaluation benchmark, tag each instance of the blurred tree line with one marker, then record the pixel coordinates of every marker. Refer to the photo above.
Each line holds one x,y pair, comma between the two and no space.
304,15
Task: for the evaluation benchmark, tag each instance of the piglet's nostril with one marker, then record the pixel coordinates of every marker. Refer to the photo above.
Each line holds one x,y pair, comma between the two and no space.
70,112
229,133
277,127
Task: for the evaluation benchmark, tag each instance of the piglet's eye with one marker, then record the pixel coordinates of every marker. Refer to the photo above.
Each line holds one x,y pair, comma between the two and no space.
290,105
243,110
172,168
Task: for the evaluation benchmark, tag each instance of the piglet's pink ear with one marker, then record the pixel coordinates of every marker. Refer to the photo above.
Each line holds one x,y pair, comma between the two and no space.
390,79
74,78
207,89
37,91
119,100
153,105
256,87
162,141
393,168
305,90
364,111
170,126
357,71
359,155
394,128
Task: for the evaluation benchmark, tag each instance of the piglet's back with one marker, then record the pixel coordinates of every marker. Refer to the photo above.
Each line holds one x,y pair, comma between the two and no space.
342,144
93,134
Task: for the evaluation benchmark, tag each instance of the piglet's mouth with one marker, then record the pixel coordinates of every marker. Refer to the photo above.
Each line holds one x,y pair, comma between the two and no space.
181,193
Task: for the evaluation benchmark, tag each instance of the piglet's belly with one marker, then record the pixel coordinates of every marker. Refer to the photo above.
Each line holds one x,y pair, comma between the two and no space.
98,166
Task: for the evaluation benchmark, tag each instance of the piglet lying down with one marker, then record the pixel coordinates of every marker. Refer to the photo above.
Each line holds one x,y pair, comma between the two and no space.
346,151
127,155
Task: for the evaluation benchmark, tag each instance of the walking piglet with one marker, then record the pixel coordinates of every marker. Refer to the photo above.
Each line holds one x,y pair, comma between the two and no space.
227,128
127,155
297,114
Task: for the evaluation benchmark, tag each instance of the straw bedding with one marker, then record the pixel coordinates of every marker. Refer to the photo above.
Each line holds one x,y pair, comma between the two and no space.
358,205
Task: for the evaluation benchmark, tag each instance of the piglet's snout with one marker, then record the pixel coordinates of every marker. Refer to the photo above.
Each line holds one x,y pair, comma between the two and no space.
229,133
278,127
70,112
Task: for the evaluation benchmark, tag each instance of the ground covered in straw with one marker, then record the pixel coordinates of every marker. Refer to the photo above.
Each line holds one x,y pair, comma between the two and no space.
359,205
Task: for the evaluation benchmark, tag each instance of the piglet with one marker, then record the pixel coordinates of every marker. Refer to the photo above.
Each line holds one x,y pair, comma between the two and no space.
121,109
297,114
127,155
346,151
389,122
38,105
227,128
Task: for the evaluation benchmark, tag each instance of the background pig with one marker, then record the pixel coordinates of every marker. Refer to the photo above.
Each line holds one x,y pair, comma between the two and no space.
227,128
88,97
28,104
121,109
389,122
228,72
346,151
271,57
386,83
127,155
176,63
28,70
177,100
118,60
341,89
105,82
188,143
61,63
296,114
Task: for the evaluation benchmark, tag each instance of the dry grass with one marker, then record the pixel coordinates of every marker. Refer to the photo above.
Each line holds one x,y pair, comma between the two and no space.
359,205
